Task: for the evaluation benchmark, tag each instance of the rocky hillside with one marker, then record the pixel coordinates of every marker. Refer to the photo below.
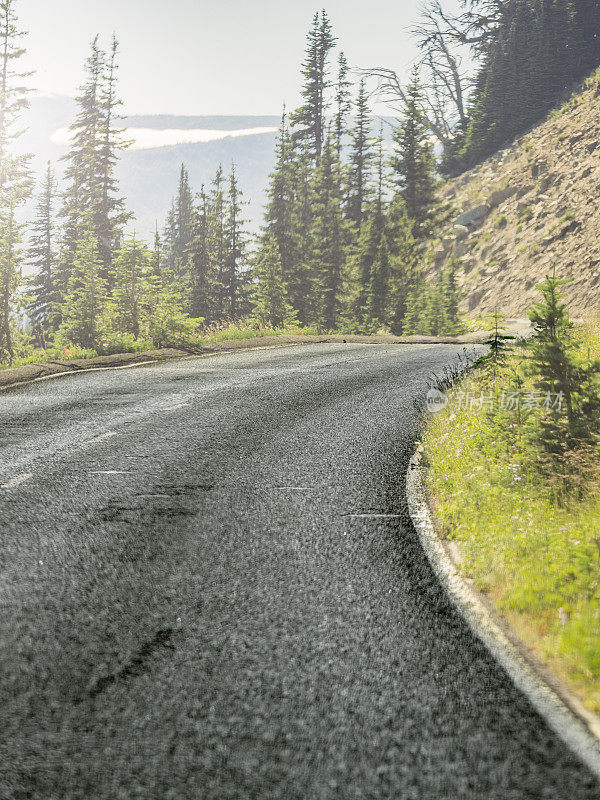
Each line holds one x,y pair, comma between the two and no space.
530,207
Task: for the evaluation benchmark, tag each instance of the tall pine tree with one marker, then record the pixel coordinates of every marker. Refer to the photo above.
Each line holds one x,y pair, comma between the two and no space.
413,161
41,258
15,178
271,306
308,122
329,251
361,159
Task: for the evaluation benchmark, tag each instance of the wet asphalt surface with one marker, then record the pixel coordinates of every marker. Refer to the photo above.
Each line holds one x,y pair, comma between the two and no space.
210,588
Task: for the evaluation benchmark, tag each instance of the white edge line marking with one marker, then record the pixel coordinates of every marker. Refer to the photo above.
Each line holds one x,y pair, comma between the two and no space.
576,733
17,481
373,516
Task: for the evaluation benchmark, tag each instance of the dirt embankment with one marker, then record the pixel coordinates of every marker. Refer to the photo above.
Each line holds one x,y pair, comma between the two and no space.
531,207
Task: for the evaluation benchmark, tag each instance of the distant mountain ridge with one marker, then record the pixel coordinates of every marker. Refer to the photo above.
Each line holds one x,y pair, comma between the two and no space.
148,177
164,121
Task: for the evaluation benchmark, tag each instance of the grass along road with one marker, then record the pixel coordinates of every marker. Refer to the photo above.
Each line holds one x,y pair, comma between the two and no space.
537,560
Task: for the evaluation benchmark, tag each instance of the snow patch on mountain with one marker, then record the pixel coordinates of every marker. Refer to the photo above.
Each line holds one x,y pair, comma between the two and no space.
148,138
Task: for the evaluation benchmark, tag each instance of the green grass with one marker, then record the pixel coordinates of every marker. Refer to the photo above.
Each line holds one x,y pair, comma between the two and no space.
42,356
244,331
538,562
26,354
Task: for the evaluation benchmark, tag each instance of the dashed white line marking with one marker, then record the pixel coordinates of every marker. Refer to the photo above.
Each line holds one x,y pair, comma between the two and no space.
17,481
174,408
109,472
102,437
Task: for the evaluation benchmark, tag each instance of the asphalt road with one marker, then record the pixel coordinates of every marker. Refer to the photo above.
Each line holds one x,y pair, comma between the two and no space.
209,588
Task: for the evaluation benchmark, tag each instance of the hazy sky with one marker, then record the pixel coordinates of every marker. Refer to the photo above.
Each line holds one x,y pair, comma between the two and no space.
200,57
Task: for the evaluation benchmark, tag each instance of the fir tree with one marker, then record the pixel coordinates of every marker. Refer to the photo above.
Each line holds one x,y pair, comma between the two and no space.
308,122
41,258
537,50
82,173
413,161
91,199
403,255
281,214
15,178
329,255
379,286
178,232
342,102
200,263
369,243
218,240
84,321
110,215
131,269
451,296
236,244
271,306
303,280
361,158
371,247
571,423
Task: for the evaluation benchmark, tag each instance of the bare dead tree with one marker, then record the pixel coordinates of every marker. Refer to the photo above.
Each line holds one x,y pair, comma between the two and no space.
444,79
479,21
389,90
444,39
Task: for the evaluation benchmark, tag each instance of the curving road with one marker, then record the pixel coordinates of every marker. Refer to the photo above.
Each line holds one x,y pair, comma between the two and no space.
210,589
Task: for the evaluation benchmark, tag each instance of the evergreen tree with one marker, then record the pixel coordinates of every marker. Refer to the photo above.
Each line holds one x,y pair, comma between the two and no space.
571,423
110,215
404,254
370,241
416,303
379,286
218,241
131,270
84,312
82,171
91,199
433,318
178,231
271,306
281,211
41,258
451,295
537,50
15,177
236,244
372,248
342,102
165,320
361,158
413,161
329,255
156,260
200,263
308,122
303,281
